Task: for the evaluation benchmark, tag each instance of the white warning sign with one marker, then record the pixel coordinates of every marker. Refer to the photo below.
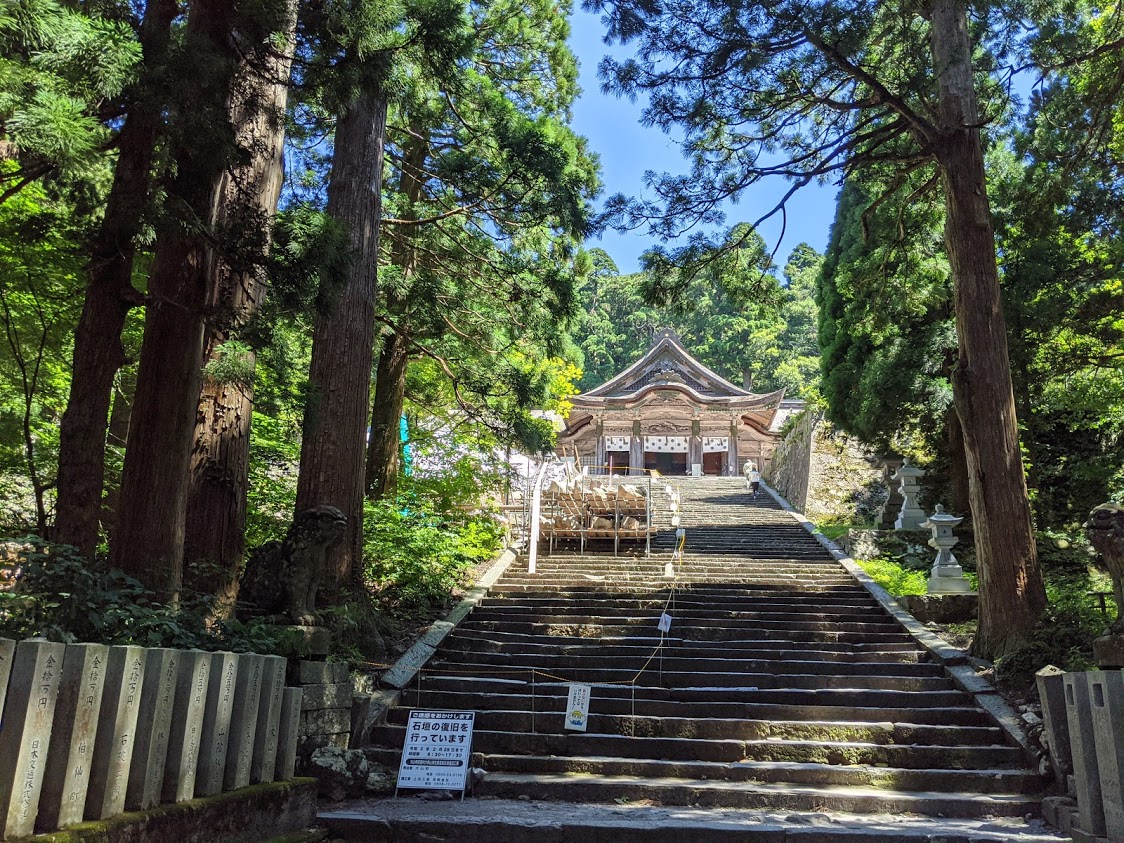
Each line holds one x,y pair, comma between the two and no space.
437,750
665,623
577,707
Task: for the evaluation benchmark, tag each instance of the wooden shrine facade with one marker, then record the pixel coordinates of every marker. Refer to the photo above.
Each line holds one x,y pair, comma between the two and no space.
669,412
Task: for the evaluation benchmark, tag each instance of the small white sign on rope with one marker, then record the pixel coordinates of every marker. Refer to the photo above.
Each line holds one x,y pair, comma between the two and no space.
437,750
577,707
665,623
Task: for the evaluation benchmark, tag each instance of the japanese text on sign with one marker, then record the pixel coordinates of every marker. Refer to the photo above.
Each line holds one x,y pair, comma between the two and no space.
437,749
577,707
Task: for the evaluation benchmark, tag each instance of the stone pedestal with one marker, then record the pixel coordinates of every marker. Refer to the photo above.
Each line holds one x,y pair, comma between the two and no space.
1083,741
306,641
28,714
192,681
325,715
1108,652
911,516
941,608
117,725
946,575
150,752
72,737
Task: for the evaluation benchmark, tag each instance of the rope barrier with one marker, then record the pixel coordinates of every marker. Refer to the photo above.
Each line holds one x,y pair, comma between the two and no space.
678,555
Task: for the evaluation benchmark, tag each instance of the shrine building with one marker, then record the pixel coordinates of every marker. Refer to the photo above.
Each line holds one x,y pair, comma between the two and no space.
669,412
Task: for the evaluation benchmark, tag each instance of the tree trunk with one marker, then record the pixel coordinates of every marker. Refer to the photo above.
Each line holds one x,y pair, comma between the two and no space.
148,540
1012,595
117,436
109,297
215,523
384,448
960,497
335,420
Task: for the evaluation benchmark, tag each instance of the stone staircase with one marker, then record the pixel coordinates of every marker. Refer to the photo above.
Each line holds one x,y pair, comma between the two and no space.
783,686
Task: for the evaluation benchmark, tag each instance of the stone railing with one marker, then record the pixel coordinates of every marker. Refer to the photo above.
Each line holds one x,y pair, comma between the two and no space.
1083,716
89,731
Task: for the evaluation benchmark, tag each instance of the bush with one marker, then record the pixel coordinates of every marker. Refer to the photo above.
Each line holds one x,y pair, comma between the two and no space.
59,596
414,559
894,578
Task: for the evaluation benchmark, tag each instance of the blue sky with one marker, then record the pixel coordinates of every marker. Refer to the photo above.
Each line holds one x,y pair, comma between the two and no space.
627,149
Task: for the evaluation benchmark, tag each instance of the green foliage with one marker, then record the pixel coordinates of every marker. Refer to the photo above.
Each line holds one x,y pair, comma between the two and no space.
893,577
61,597
40,296
58,68
414,559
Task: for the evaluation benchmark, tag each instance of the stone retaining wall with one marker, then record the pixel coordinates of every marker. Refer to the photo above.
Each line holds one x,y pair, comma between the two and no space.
789,470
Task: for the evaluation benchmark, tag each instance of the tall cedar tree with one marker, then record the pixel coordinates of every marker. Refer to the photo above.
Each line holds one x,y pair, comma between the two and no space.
220,458
148,540
110,294
806,89
491,187
427,34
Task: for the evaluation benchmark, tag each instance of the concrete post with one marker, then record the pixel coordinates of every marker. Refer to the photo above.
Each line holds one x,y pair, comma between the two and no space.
1083,740
216,724
192,680
1051,693
154,721
1106,694
29,711
243,721
73,736
264,765
117,725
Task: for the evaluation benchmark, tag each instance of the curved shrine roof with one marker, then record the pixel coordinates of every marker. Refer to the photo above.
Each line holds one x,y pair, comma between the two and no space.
667,365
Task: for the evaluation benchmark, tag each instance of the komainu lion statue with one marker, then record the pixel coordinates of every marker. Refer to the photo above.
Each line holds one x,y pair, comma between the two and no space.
281,578
1105,531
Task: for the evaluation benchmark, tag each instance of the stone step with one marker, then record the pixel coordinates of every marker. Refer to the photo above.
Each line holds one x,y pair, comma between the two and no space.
838,753
693,679
552,698
842,605
674,662
701,631
681,649
519,821
458,680
977,781
698,618
774,796
750,638
715,728
778,589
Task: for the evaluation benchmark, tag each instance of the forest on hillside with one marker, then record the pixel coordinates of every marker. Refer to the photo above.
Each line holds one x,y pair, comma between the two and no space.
249,249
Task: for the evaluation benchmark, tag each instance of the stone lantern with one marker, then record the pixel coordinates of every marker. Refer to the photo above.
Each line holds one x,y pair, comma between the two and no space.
946,577
911,516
